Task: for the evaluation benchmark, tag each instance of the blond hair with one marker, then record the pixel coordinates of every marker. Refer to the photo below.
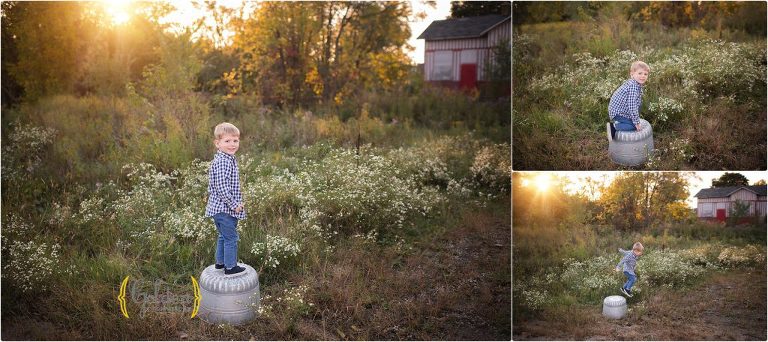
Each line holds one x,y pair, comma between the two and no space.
225,128
638,247
639,65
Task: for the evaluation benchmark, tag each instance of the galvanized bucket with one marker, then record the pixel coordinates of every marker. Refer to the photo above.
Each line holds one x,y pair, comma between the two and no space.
614,307
631,148
232,298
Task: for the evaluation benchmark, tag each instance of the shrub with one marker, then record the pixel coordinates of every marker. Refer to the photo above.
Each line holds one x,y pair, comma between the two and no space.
750,255
29,265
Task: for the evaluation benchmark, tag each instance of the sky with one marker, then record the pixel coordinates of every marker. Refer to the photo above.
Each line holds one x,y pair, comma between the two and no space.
186,14
704,179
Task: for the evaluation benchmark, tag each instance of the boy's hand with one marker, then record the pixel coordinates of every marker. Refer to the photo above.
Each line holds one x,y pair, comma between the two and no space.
638,126
616,269
239,209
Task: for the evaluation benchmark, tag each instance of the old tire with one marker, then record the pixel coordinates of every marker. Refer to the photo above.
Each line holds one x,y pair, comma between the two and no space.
232,298
614,307
632,148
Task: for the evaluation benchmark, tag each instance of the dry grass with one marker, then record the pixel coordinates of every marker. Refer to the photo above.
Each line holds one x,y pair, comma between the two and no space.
453,283
725,136
727,306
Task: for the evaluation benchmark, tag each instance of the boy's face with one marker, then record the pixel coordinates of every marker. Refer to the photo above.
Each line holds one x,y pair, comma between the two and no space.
640,75
228,144
638,253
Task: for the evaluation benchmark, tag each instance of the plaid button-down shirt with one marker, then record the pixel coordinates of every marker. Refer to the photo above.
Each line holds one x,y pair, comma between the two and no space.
224,187
626,101
629,261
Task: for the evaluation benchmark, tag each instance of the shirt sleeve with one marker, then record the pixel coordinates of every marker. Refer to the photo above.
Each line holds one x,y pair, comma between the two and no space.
635,101
623,258
221,171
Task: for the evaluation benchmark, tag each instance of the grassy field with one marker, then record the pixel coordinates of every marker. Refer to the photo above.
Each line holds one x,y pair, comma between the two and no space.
705,96
362,227
416,289
693,282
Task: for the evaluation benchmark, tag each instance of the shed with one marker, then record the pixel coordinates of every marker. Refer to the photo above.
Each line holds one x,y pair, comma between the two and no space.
456,51
716,203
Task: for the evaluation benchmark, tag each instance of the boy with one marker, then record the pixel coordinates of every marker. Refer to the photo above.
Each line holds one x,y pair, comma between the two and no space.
630,261
225,201
624,107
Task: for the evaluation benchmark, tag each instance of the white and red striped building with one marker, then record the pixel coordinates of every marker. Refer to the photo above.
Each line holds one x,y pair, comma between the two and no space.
716,203
457,50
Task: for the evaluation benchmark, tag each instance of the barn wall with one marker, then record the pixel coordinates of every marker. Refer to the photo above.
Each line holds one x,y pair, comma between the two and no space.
757,206
502,32
455,44
499,33
464,51
761,206
715,203
743,195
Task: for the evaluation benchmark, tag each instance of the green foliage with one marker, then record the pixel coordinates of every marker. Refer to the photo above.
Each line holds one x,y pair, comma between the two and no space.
175,74
47,38
461,9
690,86
501,68
738,211
588,280
326,53
730,179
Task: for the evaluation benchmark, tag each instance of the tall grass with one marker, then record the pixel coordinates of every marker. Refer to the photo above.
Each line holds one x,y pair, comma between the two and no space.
96,188
697,90
556,267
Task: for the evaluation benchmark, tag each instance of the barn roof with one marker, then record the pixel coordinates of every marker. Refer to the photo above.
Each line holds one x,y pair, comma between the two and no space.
469,27
726,191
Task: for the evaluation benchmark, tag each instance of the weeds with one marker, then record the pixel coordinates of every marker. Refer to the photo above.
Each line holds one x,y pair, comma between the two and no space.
688,85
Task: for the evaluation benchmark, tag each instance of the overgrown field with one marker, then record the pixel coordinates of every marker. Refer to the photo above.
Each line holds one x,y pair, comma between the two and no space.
559,268
99,188
705,97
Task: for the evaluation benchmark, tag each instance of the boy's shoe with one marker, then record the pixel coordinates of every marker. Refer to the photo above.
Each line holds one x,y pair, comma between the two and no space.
219,266
234,270
623,290
609,130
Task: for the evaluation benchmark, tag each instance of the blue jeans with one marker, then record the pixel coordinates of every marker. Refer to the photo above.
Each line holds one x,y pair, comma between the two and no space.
226,247
623,123
630,280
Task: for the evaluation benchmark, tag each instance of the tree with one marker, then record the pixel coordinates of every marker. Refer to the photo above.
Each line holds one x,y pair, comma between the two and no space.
11,89
501,67
461,9
300,53
730,179
738,211
635,200
760,182
48,38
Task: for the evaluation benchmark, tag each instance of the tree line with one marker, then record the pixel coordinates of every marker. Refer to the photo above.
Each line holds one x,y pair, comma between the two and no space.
710,15
299,53
630,201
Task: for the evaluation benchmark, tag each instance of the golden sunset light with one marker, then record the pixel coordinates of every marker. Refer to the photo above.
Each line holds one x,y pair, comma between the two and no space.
118,11
542,182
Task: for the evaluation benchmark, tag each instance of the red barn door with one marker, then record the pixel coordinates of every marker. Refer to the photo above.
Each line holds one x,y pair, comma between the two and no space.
721,215
468,76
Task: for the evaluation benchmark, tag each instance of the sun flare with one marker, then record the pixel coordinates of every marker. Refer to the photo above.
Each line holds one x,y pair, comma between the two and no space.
542,182
117,10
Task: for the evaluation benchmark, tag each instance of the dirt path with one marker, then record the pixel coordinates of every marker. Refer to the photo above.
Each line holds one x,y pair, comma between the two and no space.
477,257
729,306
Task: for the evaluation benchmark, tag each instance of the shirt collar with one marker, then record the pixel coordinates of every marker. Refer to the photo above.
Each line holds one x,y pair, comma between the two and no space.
224,155
636,82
